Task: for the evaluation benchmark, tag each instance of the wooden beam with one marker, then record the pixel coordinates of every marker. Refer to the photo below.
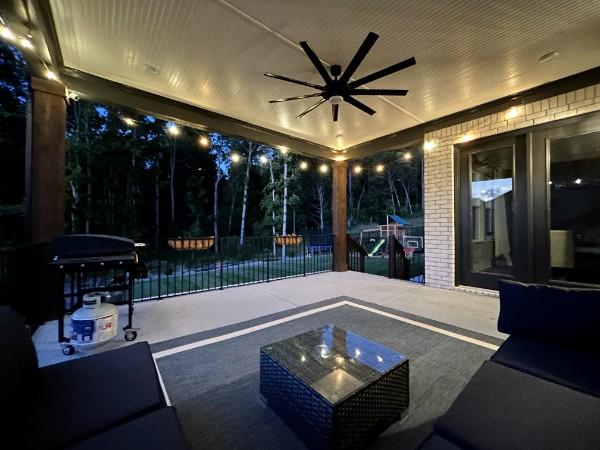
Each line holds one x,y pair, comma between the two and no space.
45,160
109,92
340,215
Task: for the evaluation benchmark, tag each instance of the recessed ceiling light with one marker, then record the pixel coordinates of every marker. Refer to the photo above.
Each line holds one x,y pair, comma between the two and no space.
547,57
152,70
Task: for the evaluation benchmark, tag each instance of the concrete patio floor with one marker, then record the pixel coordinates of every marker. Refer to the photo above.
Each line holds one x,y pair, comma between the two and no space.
173,317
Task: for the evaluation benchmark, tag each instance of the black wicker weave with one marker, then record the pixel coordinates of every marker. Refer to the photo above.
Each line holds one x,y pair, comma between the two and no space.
334,388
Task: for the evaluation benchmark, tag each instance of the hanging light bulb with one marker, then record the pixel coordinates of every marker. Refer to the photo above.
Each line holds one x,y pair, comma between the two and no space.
7,34
128,121
26,43
263,159
379,168
235,157
303,165
204,141
324,168
173,130
357,169
407,156
283,149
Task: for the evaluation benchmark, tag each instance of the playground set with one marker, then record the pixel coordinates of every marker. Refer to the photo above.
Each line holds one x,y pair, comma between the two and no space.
375,240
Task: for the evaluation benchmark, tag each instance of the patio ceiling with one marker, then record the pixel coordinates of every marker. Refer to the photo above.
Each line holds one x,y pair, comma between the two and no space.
212,54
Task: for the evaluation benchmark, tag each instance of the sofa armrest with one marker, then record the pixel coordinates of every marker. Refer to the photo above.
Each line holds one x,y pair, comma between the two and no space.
549,311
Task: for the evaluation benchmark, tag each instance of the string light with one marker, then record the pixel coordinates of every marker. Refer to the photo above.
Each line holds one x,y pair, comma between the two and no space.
26,43
303,165
7,34
357,169
379,168
204,141
128,121
323,168
263,159
235,157
173,130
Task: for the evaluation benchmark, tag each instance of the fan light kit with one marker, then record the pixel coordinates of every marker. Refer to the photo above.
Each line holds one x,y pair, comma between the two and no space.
338,88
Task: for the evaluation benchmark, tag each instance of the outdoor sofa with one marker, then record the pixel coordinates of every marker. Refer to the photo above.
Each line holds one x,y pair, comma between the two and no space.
110,400
541,389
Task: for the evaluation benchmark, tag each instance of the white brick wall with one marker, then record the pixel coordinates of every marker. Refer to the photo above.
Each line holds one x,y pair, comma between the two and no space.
439,169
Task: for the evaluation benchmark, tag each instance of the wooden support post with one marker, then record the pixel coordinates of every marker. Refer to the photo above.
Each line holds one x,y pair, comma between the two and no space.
340,215
45,160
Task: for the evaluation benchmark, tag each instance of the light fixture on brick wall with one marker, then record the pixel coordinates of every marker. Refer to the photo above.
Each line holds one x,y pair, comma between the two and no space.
429,145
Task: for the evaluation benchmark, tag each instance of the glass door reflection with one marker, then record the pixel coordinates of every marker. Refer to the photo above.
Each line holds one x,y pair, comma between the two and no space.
491,175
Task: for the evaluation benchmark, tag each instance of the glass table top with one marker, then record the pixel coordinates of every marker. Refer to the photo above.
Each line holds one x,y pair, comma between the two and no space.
334,362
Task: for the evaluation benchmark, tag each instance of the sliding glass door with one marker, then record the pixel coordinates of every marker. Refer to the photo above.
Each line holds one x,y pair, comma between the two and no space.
570,223
490,196
528,206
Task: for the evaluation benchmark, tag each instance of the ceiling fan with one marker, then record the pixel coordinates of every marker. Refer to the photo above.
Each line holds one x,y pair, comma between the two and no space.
338,88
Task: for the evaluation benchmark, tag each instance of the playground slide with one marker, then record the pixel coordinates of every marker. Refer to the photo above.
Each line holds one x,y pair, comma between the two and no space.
377,247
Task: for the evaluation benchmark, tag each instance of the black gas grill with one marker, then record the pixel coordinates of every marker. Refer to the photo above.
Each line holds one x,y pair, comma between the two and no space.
81,261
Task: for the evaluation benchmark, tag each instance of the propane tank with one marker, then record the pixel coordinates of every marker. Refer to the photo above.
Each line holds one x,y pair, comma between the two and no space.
96,322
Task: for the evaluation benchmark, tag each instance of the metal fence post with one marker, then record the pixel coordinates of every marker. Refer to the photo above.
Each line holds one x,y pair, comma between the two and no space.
304,255
221,266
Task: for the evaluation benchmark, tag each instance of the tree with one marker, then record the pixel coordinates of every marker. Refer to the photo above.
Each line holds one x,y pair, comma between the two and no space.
250,148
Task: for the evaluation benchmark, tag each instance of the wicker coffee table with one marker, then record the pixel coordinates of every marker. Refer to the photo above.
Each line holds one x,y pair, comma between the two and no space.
335,389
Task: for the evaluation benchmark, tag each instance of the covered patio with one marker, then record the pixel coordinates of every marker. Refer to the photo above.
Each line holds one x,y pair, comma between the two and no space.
503,104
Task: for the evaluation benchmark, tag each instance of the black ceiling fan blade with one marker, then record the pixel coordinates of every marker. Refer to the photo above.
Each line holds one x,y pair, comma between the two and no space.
335,109
292,80
319,103
383,72
359,105
378,92
315,60
359,56
298,97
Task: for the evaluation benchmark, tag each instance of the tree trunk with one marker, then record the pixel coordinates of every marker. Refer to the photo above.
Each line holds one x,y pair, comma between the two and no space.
172,180
273,205
88,174
408,204
391,186
285,202
216,210
362,192
157,209
245,198
350,199
321,198
231,210
75,207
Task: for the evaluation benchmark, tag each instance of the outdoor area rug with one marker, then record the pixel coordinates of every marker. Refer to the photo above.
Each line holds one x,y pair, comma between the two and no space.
212,378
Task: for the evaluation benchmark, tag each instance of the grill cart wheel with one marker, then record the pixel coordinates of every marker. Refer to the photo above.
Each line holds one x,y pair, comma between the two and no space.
68,349
130,335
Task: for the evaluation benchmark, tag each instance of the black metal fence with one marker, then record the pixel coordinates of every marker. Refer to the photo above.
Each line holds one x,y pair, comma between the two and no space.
385,256
228,262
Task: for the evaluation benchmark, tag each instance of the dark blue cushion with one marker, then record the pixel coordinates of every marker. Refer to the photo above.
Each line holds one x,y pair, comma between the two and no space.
437,442
502,408
549,311
19,364
82,397
577,367
158,430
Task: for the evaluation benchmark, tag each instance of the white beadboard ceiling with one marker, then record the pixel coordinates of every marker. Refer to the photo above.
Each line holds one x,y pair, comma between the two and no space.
213,53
